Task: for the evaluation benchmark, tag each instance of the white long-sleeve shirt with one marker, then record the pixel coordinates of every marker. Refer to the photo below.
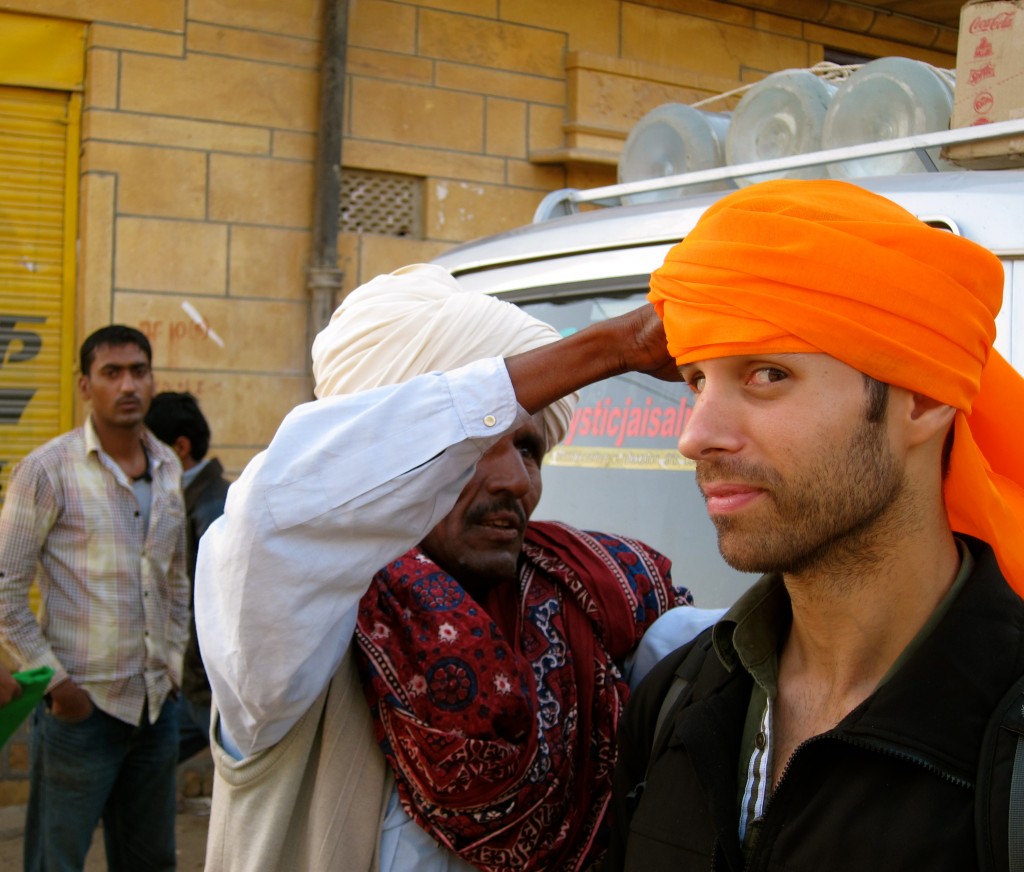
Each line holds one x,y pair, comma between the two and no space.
346,485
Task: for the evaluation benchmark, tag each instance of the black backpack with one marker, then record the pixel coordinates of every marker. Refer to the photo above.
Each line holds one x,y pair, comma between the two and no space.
999,788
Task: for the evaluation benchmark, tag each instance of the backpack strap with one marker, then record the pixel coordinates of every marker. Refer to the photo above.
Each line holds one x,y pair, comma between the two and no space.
1003,740
677,695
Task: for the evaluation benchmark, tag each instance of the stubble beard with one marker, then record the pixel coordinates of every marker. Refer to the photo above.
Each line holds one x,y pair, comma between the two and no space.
832,517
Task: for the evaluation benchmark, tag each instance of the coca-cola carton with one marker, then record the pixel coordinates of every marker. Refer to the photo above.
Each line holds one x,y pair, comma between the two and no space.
989,81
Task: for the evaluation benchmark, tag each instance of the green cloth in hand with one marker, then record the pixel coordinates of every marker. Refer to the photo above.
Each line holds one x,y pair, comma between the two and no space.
33,685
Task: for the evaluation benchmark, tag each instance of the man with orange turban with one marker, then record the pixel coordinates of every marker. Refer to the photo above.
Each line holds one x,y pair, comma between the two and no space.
856,439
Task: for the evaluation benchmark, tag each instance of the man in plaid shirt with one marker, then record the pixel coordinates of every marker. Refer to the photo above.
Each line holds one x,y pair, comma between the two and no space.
97,517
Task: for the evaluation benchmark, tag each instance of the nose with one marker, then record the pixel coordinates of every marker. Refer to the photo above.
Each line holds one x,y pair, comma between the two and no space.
506,469
714,425
128,382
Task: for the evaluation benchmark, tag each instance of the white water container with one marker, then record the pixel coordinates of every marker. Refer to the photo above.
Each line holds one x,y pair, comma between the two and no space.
781,115
674,138
887,99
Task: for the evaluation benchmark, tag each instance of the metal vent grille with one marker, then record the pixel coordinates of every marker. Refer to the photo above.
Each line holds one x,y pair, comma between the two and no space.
384,203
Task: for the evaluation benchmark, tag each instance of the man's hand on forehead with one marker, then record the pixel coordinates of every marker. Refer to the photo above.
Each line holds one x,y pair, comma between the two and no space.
650,354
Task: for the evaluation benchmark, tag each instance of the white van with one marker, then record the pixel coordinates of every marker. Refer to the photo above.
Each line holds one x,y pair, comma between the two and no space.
619,468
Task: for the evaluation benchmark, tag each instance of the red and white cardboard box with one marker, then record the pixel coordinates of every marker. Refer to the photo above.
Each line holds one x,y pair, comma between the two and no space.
989,81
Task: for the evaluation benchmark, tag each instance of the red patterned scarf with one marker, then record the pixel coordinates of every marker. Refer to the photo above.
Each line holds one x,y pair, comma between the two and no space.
503,748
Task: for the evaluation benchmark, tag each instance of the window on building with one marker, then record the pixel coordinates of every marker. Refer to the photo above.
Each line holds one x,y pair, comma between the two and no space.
386,203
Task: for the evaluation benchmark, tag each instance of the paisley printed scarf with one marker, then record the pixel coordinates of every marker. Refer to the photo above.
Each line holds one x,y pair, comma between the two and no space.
503,748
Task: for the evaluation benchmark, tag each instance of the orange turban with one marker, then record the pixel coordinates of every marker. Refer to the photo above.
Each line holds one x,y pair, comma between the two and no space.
825,266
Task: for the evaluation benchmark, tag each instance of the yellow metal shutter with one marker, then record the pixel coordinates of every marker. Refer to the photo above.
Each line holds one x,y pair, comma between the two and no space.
35,284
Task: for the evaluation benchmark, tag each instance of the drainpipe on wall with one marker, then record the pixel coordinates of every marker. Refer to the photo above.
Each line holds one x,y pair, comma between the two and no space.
323,277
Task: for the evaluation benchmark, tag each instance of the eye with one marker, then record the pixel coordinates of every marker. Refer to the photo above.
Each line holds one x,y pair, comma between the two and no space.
531,449
768,375
695,381
529,452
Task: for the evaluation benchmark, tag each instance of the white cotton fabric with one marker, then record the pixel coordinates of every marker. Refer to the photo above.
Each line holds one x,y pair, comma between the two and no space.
418,319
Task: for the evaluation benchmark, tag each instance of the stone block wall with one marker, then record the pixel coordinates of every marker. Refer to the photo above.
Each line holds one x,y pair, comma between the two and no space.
198,130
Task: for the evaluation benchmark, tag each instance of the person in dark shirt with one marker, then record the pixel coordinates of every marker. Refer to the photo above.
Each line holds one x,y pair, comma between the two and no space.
175,418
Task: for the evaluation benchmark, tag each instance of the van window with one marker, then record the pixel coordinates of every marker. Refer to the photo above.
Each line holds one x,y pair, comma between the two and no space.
619,468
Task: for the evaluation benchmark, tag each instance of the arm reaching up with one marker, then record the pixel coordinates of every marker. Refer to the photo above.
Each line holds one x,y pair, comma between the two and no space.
634,342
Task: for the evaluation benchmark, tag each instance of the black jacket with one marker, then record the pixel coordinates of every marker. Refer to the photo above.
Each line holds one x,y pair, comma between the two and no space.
204,503
891,787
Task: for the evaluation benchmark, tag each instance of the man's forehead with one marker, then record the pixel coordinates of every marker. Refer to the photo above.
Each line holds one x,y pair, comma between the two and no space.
126,353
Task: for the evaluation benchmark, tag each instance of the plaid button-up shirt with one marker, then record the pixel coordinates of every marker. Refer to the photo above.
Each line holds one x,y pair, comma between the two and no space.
115,595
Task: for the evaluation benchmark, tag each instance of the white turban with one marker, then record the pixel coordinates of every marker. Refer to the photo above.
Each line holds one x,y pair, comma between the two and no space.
418,319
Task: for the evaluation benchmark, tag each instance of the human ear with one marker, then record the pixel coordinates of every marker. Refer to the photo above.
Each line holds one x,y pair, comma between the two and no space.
183,448
927,418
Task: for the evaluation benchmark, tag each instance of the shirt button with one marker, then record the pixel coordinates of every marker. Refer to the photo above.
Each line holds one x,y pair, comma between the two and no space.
490,421
760,741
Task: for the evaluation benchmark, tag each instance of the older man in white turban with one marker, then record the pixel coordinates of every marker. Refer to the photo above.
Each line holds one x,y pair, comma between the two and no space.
409,675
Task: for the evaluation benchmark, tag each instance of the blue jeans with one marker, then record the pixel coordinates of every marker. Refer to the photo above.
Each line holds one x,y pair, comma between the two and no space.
102,768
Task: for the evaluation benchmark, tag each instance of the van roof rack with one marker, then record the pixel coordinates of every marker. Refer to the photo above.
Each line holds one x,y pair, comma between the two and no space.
567,201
